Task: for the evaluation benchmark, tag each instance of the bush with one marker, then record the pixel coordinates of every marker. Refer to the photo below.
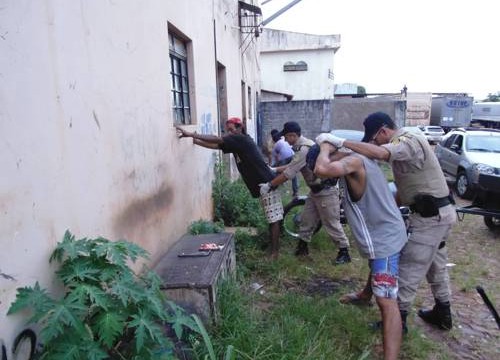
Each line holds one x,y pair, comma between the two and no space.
234,205
205,227
107,311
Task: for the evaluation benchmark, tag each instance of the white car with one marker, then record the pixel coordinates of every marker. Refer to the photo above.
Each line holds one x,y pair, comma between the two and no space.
432,133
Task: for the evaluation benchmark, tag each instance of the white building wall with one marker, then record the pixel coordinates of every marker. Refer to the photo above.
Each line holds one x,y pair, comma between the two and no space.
313,84
280,47
87,141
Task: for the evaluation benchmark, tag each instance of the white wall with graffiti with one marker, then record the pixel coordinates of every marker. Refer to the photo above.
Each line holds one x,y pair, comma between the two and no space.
87,132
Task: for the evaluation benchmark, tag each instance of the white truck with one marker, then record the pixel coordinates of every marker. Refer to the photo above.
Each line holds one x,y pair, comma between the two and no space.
451,111
486,114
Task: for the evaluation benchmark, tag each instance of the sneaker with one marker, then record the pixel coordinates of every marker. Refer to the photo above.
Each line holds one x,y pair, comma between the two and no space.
343,257
302,249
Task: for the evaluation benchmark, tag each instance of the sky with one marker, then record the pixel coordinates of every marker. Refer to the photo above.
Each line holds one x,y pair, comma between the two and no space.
428,45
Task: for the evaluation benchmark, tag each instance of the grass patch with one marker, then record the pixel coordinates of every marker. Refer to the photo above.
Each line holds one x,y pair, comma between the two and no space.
294,312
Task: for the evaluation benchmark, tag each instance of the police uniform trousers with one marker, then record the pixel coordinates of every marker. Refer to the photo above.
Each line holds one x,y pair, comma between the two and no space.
324,206
424,256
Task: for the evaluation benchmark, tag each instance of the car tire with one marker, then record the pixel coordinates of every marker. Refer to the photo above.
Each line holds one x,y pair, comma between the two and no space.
492,222
463,186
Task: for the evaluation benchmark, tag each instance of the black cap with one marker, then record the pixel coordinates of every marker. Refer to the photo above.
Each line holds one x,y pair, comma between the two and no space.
275,135
290,127
374,122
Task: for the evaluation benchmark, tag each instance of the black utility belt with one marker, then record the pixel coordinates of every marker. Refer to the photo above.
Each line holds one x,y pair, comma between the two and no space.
317,188
428,205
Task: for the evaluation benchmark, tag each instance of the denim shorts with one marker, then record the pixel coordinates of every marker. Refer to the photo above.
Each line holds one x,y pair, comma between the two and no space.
384,276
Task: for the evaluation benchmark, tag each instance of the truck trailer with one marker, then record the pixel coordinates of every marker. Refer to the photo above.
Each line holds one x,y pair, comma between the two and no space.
451,111
486,114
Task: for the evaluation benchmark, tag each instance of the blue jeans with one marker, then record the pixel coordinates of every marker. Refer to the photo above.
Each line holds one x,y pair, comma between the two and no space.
384,274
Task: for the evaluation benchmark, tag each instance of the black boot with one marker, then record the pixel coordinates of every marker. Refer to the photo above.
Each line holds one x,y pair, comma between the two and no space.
404,315
342,257
302,249
440,315
378,325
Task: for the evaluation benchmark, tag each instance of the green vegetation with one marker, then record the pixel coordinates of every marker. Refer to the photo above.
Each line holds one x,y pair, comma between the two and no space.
234,205
106,311
289,308
205,227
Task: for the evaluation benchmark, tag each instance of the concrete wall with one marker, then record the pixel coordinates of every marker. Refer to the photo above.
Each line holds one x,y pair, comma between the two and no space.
280,47
314,116
349,113
418,108
87,136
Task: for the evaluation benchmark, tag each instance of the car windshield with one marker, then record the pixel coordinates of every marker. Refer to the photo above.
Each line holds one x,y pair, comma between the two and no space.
434,129
483,143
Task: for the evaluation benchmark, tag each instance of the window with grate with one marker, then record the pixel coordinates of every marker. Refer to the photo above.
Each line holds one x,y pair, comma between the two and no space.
180,81
299,66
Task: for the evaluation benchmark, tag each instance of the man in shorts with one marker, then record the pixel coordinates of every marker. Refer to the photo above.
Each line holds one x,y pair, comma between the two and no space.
422,187
375,222
252,167
323,202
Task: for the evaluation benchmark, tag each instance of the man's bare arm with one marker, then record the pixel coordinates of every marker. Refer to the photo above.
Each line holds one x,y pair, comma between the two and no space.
206,144
213,139
326,168
371,151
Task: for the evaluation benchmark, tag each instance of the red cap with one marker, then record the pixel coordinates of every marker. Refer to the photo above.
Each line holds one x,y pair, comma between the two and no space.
234,120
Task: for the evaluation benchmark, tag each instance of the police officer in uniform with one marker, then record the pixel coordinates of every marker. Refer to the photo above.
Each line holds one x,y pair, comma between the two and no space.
323,202
421,186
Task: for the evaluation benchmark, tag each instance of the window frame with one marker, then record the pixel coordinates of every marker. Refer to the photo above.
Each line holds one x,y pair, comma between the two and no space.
179,76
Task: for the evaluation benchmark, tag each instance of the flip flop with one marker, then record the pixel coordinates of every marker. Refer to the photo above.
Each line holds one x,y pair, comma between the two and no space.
355,299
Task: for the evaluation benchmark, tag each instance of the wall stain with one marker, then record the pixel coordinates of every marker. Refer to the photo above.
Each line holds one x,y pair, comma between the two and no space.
144,212
7,276
96,120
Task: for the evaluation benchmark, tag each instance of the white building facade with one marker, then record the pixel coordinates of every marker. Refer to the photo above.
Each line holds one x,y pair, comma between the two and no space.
298,64
90,94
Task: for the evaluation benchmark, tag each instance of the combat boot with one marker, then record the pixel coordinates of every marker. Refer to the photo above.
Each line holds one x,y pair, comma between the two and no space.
439,315
343,257
404,315
302,248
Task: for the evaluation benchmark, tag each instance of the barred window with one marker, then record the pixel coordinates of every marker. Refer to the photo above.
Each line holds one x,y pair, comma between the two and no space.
299,66
180,81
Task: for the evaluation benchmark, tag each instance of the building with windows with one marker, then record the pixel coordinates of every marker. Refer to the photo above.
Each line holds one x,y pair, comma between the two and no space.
91,94
297,64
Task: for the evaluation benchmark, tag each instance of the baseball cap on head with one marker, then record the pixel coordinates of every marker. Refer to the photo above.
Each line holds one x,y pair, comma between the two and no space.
374,122
234,120
275,135
290,127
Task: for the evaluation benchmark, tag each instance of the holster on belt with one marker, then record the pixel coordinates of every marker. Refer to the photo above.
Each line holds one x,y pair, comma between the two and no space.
428,205
316,188
325,184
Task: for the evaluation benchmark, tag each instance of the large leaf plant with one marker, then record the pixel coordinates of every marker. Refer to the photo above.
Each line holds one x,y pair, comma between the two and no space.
107,311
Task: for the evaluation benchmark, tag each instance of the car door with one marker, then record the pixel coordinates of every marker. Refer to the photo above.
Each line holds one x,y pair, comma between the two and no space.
455,154
444,154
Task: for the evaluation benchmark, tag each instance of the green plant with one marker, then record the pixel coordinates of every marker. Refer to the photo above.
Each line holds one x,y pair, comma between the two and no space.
205,227
107,311
234,205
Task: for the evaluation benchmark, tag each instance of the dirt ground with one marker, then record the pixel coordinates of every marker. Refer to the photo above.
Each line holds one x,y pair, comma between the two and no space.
473,252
